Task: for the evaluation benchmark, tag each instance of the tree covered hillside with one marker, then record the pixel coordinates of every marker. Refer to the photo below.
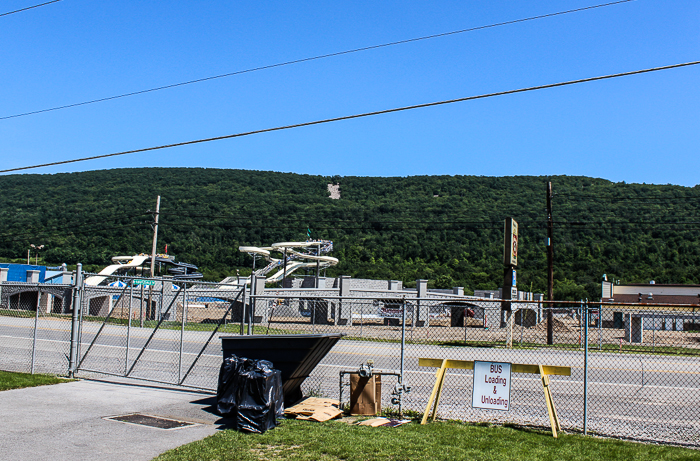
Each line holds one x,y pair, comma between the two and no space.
448,229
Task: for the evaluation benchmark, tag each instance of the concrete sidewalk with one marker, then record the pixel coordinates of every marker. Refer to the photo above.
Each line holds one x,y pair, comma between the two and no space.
65,421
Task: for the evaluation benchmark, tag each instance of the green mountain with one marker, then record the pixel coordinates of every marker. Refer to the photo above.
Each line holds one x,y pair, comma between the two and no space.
448,229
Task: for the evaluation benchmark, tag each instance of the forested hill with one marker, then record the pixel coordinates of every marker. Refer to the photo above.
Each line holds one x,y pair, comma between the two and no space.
448,229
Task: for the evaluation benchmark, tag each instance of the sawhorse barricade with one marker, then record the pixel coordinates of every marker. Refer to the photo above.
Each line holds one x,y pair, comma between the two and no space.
543,370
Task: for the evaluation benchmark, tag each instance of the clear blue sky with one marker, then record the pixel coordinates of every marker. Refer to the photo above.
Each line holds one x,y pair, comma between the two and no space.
636,129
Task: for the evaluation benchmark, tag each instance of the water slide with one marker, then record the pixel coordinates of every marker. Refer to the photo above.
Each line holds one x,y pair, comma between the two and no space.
129,263
295,259
178,270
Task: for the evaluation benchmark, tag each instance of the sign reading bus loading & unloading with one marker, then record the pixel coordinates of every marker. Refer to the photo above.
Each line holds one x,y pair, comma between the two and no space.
491,388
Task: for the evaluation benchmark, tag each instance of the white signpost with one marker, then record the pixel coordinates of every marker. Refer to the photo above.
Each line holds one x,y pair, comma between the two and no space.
491,389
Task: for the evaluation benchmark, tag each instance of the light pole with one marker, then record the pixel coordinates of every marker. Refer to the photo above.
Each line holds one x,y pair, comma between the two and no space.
37,247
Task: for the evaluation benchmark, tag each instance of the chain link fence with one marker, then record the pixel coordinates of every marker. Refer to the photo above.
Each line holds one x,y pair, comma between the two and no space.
36,327
634,368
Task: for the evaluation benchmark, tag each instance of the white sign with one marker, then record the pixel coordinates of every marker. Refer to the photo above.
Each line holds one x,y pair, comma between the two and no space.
491,388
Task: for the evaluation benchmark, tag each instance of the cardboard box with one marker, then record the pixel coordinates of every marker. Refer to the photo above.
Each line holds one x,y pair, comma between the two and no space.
365,395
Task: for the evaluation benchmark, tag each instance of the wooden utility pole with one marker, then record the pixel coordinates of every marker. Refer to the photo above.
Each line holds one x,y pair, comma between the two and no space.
153,260
550,266
155,238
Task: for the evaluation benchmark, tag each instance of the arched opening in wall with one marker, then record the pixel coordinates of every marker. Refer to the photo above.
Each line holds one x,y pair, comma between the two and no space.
462,313
526,318
24,301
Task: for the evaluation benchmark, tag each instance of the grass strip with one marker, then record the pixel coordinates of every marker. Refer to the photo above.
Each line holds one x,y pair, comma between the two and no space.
11,380
446,440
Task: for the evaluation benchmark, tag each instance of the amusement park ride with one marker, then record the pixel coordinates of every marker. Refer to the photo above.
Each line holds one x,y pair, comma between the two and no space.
294,256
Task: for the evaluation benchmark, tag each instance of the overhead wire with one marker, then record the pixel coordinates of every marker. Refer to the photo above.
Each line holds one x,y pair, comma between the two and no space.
23,237
313,58
28,8
377,226
70,226
361,115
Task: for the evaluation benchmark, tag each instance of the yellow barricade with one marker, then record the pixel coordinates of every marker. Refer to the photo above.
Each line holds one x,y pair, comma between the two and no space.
543,370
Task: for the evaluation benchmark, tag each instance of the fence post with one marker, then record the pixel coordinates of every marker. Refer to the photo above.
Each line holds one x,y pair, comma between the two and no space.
183,317
128,326
403,353
36,324
421,292
244,311
75,324
585,370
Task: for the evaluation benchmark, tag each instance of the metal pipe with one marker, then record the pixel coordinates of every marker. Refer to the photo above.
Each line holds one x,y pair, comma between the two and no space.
464,322
128,326
253,300
141,308
80,322
183,316
75,325
600,328
102,372
36,324
585,373
243,309
403,351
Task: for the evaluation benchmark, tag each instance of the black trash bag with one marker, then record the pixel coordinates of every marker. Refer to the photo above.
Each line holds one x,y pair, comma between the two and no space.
226,392
250,393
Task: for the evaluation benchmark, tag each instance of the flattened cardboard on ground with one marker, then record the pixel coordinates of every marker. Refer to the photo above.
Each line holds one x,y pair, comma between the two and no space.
315,409
324,414
310,405
383,422
374,422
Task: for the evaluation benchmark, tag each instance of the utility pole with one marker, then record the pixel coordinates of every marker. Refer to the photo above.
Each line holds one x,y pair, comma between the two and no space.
550,266
155,238
153,257
509,290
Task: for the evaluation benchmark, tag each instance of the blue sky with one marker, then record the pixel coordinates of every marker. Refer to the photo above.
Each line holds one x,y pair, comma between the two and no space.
635,129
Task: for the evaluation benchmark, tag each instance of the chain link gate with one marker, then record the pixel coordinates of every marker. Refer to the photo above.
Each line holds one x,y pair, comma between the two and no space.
153,330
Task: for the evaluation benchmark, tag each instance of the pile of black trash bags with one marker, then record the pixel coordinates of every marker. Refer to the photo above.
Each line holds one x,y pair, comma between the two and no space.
250,394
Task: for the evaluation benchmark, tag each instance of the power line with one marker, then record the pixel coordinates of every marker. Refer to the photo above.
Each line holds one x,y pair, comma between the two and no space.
74,231
374,226
28,8
72,226
365,114
313,58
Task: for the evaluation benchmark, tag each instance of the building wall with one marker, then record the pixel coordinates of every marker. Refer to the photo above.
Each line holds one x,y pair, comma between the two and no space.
18,272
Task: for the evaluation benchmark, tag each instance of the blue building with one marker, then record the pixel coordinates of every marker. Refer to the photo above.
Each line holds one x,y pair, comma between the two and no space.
19,272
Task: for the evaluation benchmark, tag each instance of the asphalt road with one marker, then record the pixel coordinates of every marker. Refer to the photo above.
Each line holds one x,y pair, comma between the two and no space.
632,395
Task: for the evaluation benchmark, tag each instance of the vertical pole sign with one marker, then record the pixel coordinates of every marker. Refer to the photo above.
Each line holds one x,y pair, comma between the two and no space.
510,290
491,389
510,261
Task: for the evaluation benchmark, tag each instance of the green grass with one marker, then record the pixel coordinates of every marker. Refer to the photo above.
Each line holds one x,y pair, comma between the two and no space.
10,380
449,440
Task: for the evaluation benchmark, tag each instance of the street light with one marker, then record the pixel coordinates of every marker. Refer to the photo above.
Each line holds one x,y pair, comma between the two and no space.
37,247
